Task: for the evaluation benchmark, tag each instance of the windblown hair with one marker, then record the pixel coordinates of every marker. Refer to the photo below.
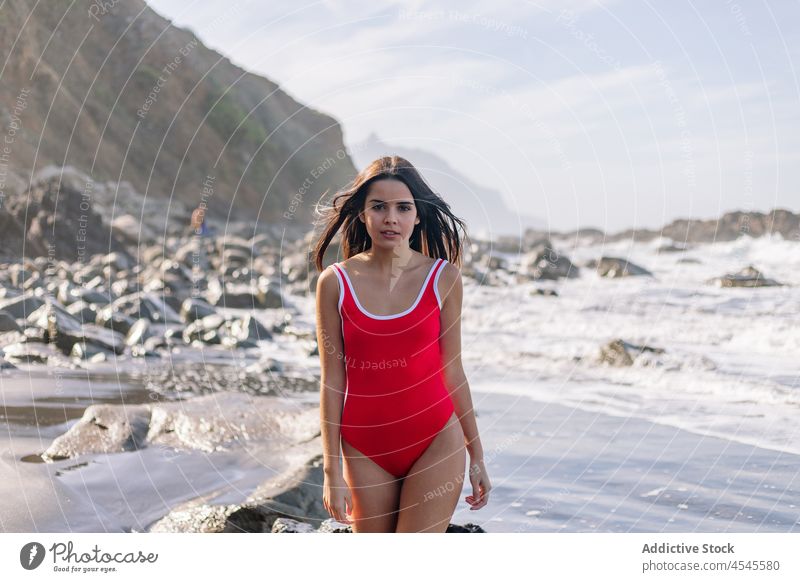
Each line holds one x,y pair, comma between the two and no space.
436,235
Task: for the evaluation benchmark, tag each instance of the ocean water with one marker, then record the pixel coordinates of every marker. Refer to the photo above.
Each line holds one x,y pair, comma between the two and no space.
731,361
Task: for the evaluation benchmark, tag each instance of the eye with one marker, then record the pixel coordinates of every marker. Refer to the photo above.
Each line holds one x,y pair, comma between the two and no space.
405,207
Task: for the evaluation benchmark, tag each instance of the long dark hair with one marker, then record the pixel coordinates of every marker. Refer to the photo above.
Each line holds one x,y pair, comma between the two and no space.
436,235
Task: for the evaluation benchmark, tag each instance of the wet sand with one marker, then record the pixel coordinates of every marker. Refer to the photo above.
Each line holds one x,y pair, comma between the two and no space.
553,468
556,468
130,490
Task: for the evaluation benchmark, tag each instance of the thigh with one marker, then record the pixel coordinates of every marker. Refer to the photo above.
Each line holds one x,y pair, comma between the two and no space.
431,489
375,492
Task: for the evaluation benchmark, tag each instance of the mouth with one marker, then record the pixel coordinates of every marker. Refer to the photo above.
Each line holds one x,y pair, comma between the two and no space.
390,233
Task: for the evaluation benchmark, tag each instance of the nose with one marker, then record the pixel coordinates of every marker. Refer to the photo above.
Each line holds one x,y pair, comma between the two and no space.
391,216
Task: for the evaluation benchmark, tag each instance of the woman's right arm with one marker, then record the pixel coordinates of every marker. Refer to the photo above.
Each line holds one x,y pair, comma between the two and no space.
336,496
333,380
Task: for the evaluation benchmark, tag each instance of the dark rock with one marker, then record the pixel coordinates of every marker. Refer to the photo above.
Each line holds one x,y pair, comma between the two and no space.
174,302
171,286
117,322
173,270
118,261
466,528
68,294
620,353
82,311
145,305
747,277
545,292
544,262
481,276
614,267
8,322
288,525
672,248
173,334
494,262
261,297
22,306
50,220
204,330
103,429
333,526
728,227
195,308
64,330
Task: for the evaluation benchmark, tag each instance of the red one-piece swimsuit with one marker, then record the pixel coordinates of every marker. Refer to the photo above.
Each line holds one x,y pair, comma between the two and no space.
396,400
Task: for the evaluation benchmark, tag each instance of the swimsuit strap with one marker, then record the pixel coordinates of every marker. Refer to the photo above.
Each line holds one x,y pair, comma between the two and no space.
437,273
431,280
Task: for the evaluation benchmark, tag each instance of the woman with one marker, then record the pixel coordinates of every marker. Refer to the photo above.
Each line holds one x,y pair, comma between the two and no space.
393,390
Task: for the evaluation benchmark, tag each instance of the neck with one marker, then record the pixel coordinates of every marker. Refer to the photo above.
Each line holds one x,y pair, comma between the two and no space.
391,259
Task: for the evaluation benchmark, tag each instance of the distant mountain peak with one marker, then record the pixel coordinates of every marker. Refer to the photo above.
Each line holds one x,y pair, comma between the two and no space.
483,208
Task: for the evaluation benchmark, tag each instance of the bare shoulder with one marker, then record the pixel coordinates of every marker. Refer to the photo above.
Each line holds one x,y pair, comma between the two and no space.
449,280
327,284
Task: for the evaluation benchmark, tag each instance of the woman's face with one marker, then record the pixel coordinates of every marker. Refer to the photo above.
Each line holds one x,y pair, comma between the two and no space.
389,208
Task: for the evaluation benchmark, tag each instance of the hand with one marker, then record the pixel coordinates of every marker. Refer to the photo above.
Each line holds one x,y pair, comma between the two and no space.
480,485
337,499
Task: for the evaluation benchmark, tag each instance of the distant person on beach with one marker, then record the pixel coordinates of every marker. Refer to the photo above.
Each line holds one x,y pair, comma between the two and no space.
199,221
202,233
393,391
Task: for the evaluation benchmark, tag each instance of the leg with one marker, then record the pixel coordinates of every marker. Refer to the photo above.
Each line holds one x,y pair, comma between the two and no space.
431,489
375,492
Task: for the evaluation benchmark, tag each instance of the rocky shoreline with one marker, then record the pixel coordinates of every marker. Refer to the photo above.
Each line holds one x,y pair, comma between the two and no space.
235,293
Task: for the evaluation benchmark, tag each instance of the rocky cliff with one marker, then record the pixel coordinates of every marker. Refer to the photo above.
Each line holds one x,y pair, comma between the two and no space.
117,91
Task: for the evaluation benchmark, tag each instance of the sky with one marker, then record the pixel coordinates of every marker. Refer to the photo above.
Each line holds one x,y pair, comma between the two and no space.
613,115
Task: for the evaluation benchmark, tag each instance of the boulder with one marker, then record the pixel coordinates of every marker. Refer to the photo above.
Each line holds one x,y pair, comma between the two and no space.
288,525
747,277
194,308
544,262
8,322
64,330
613,267
22,306
103,429
620,353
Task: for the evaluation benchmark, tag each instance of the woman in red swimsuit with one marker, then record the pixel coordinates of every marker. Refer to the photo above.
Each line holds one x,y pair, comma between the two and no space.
394,396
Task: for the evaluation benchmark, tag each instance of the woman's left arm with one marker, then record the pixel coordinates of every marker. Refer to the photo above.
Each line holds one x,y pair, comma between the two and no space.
451,291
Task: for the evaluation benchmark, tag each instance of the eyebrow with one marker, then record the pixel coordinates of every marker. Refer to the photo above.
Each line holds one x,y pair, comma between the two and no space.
411,201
